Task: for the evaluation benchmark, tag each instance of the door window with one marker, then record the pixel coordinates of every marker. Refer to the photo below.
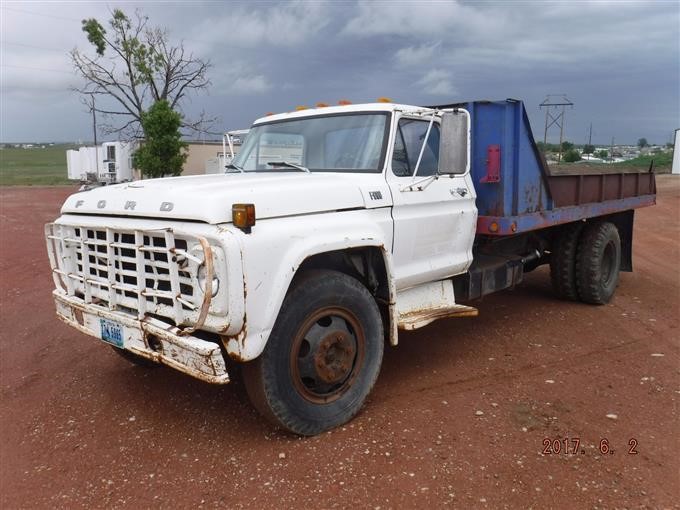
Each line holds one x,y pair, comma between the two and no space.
409,140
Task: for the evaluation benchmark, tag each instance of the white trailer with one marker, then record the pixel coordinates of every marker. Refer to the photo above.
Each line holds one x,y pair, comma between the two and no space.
81,162
108,163
73,165
116,162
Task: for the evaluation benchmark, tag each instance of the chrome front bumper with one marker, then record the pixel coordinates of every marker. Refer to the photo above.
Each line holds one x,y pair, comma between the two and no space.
149,338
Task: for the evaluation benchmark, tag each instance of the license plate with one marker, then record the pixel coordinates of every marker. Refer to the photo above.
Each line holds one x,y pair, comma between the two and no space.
112,332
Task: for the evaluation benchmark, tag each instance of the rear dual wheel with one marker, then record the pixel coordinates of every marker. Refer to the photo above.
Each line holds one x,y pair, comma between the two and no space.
563,261
598,260
322,357
585,262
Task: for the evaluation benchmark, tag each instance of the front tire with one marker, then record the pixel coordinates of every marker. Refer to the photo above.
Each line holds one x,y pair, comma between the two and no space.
598,260
323,355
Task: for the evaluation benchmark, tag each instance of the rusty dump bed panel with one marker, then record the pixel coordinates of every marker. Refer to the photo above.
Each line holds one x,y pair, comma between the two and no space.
518,192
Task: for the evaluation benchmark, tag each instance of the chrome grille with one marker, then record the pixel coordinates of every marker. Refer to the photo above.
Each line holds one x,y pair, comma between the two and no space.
148,272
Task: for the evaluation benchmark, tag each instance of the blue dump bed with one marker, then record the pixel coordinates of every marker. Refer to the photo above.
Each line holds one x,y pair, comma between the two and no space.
518,192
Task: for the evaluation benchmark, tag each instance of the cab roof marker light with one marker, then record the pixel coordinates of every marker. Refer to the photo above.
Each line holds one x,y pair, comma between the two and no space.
344,102
322,105
384,100
301,107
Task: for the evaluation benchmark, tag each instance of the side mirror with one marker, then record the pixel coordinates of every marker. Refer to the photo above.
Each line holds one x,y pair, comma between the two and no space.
454,145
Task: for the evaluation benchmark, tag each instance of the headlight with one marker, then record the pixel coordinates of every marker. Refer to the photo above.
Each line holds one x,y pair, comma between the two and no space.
202,282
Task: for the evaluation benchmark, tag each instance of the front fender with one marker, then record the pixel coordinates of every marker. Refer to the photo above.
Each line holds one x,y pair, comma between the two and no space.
276,248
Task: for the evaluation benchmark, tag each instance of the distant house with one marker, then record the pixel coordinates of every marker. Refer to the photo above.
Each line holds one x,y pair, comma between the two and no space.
199,156
199,153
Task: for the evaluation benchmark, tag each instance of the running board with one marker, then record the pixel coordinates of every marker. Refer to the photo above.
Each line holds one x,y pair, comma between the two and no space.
421,305
418,319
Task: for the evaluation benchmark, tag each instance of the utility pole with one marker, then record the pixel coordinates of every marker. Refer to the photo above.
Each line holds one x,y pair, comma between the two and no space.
555,105
91,106
94,122
590,138
611,151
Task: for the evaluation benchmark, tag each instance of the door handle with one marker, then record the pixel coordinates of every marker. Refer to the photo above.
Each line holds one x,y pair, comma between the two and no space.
461,191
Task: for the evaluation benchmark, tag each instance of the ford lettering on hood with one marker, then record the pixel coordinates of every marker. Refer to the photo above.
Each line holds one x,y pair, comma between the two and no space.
209,198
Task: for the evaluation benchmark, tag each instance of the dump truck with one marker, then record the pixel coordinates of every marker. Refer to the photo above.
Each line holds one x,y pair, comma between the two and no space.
332,230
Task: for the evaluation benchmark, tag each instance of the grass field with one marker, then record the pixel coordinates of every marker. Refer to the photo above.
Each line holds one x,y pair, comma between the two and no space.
662,161
35,166
47,167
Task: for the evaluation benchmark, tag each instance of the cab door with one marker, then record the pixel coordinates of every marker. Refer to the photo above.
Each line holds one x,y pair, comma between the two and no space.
434,215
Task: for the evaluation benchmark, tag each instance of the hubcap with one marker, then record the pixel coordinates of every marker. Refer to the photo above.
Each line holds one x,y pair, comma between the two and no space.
327,352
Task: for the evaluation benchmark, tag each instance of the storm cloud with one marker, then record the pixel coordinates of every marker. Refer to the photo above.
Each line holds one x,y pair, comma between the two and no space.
619,62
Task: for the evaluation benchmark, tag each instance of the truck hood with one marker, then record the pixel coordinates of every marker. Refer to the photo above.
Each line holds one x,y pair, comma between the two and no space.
208,198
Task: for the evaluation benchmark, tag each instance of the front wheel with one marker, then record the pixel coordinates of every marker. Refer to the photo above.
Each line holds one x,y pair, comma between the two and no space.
322,357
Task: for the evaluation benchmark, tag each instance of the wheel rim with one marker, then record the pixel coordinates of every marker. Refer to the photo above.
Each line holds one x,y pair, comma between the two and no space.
608,264
326,354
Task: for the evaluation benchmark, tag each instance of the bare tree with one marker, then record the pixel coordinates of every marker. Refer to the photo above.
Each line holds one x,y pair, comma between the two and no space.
135,66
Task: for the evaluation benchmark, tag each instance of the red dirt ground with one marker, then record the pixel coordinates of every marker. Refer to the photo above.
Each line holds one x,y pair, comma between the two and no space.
458,417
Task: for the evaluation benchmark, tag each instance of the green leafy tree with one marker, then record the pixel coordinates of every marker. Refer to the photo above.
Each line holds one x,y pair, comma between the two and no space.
602,154
566,146
642,142
571,156
163,152
547,147
588,149
134,66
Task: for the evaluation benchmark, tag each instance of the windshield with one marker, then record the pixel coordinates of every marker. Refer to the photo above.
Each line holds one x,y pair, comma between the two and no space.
331,143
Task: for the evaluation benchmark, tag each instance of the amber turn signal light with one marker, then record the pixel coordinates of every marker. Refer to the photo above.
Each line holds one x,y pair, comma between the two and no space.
243,216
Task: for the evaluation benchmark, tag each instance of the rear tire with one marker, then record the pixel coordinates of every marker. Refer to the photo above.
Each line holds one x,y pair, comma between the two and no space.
563,262
323,355
597,263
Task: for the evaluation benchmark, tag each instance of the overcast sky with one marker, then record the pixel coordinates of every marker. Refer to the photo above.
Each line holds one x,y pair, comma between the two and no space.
619,62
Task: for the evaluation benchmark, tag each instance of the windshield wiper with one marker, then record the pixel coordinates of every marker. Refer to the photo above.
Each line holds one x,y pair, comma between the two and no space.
232,165
289,165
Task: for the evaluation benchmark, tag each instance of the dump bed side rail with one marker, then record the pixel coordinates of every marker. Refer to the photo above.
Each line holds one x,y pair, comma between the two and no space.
518,192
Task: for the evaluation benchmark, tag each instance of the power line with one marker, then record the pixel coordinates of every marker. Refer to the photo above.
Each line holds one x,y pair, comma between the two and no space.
31,46
37,68
39,14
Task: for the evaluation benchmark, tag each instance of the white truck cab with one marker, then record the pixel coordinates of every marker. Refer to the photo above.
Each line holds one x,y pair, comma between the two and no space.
331,229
